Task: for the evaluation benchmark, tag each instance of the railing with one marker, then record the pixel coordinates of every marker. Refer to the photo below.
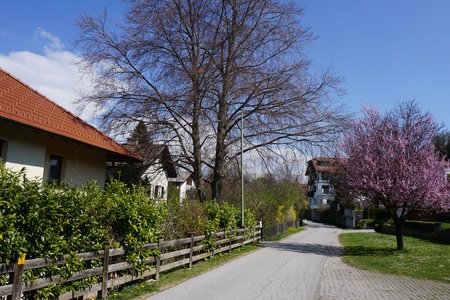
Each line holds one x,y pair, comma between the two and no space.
172,254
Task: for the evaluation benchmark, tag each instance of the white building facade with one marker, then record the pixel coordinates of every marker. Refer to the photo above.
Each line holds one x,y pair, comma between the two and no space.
320,190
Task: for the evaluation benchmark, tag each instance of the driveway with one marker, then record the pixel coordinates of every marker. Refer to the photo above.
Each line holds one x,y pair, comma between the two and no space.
304,266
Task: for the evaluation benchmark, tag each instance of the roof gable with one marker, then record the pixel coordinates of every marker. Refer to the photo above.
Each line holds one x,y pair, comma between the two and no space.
321,164
22,104
153,152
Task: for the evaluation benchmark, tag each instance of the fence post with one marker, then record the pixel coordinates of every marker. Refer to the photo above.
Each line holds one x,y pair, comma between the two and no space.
105,272
261,237
243,237
261,231
253,233
18,276
158,261
191,253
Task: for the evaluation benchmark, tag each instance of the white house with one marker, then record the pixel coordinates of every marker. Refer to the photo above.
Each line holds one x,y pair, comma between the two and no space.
154,172
320,190
49,142
182,183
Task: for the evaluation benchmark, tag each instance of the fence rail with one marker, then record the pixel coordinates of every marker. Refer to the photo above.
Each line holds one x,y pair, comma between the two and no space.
172,254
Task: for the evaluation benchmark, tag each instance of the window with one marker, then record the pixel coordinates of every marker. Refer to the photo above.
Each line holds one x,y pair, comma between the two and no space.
325,189
159,191
55,166
325,176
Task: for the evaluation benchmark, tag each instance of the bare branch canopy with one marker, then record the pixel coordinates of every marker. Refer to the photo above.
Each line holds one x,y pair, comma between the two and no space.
188,69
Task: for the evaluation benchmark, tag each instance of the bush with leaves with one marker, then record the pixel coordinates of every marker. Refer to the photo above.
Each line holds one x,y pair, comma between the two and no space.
184,219
206,218
51,220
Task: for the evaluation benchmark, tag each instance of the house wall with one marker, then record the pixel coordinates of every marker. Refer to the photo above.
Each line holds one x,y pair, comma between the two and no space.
320,196
80,163
157,176
23,149
183,189
31,149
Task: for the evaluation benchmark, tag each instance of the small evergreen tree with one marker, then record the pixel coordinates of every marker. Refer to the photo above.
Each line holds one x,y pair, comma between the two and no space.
140,134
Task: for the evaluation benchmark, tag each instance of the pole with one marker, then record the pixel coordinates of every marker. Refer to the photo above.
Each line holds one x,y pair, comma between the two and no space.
242,169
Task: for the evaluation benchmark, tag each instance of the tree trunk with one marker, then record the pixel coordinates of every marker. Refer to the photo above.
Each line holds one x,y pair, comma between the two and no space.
196,144
399,233
218,176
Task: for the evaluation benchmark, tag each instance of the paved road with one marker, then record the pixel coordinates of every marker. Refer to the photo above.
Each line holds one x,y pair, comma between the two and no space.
304,266
289,269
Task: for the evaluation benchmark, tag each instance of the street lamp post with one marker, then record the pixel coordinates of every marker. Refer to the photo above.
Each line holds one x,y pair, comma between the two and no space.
242,169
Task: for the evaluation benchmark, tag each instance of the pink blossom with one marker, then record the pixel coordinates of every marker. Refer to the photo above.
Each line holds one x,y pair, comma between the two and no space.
390,159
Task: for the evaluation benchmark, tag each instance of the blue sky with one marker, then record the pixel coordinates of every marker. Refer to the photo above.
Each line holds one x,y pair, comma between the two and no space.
386,51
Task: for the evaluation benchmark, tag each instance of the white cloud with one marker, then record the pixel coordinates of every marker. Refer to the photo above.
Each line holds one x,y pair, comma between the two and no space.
55,43
54,74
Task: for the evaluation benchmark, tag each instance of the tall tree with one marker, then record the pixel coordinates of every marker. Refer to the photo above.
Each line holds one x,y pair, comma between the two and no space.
191,69
390,160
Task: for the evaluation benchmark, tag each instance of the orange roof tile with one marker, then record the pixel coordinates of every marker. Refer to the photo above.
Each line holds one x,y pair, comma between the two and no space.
317,165
22,104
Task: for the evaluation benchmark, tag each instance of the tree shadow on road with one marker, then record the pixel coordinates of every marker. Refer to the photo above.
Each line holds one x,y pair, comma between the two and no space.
318,249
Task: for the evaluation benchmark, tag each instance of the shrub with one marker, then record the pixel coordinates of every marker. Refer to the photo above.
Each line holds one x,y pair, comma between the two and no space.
421,225
184,219
49,220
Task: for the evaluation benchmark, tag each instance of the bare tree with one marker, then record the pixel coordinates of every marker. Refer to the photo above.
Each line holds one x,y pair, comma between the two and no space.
192,68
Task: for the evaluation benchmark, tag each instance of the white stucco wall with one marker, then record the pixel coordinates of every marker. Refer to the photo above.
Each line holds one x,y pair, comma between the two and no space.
183,189
31,149
80,163
156,175
24,149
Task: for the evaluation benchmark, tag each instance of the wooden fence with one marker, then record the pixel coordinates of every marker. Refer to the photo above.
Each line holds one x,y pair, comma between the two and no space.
273,230
115,271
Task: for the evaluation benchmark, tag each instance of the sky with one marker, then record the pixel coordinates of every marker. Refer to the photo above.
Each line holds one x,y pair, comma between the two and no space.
386,51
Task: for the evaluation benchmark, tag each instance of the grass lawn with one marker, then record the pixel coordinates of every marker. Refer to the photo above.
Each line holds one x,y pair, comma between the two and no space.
446,225
419,258
290,231
141,290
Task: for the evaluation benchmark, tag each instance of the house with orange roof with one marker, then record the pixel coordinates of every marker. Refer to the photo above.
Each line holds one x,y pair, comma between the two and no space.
48,141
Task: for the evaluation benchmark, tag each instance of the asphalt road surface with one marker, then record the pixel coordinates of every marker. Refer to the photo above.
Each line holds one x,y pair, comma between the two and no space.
290,269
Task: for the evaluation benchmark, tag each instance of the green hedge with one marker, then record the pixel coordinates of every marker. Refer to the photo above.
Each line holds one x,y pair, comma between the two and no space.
49,220
422,225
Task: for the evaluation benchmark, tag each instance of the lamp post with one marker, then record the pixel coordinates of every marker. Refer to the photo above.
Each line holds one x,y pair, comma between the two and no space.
242,169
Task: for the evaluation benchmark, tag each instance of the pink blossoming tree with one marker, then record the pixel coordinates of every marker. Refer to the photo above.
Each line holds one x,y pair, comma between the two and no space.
390,161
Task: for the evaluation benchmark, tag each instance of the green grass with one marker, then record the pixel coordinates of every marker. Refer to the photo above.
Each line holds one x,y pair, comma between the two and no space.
419,258
446,225
290,231
143,289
